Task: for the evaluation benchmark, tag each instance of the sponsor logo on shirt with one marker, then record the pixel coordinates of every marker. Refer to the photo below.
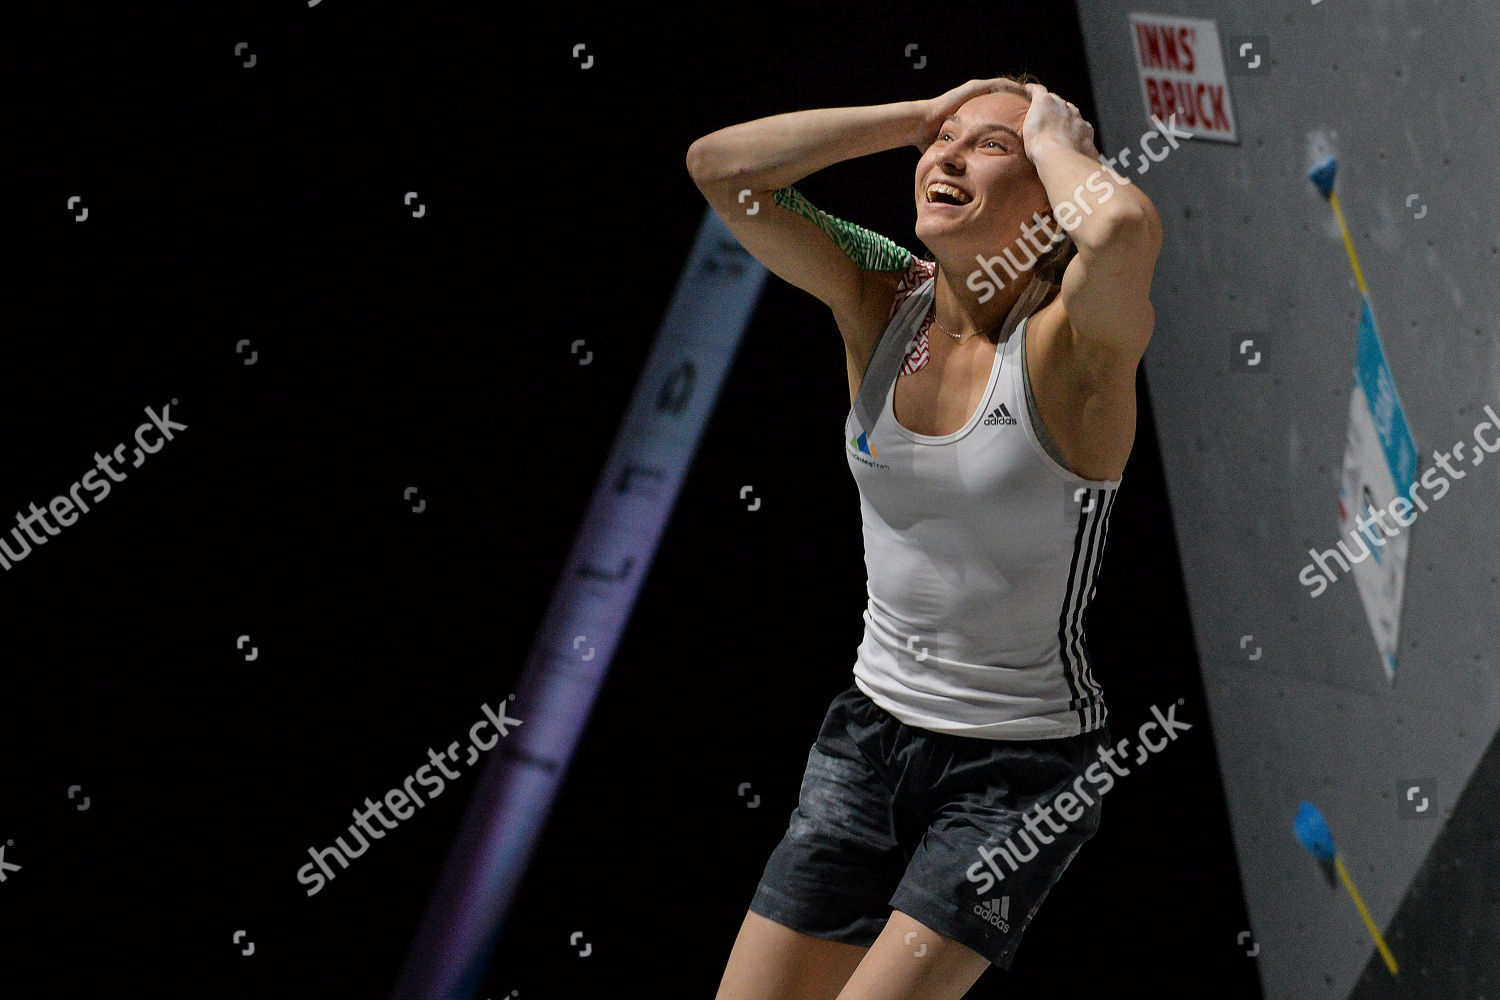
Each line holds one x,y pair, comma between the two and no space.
859,446
1000,415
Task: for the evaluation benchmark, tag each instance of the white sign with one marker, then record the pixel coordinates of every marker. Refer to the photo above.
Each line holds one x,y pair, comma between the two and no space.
1182,73
1380,464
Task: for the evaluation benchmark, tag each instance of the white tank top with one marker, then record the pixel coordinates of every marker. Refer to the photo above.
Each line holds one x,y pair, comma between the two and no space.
982,552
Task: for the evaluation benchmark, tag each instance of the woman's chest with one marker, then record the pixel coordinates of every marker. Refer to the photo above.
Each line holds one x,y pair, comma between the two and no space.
945,393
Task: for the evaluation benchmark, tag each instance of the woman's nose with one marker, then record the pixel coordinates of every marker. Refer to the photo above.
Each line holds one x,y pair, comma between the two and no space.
951,157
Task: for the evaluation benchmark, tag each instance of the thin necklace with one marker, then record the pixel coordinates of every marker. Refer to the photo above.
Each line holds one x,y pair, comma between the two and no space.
949,332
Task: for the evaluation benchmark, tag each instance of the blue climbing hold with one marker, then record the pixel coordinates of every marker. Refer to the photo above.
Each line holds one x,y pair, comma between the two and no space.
1313,832
1322,175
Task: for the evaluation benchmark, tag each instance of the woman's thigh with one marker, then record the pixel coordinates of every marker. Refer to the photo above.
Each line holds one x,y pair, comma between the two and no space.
772,962
911,961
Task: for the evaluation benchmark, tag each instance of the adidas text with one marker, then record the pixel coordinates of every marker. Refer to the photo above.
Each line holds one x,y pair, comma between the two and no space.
1000,415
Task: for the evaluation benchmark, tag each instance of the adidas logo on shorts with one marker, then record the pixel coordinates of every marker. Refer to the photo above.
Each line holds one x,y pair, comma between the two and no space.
997,912
1000,415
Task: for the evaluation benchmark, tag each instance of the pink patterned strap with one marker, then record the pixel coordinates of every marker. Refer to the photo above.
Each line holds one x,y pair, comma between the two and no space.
917,271
916,351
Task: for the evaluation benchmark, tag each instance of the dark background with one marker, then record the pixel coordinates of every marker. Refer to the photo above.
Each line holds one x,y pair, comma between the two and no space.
265,204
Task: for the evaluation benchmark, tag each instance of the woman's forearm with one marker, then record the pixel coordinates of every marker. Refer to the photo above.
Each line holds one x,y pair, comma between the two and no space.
1088,199
775,152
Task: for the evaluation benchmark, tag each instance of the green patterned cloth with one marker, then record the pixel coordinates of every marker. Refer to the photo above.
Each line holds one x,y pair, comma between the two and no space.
870,250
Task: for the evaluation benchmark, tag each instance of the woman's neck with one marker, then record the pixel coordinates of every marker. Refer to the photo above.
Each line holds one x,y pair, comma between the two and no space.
959,312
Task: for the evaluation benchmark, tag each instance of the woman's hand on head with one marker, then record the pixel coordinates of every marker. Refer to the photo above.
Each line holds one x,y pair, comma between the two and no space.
1051,117
936,110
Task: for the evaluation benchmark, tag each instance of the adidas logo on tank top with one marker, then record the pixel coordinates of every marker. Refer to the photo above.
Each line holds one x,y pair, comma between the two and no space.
1000,415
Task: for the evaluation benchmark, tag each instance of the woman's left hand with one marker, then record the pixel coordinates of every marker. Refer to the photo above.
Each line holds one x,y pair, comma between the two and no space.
1051,117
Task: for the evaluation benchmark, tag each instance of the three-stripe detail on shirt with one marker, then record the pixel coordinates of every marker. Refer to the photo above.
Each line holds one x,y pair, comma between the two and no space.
1083,577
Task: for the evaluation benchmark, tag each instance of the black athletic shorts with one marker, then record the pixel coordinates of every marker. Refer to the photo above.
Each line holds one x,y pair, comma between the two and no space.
895,816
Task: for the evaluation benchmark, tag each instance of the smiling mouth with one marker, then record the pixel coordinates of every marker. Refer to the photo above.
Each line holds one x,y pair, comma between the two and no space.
946,194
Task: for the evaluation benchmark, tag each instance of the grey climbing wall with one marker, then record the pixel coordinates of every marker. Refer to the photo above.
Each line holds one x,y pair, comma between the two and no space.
1405,95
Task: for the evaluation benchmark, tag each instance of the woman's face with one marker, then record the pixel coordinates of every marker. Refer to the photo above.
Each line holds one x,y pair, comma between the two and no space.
979,158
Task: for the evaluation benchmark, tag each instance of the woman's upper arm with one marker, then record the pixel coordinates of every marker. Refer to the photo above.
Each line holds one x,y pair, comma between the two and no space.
819,253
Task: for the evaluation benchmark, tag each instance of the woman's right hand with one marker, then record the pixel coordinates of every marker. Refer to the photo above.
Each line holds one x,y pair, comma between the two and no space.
937,109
